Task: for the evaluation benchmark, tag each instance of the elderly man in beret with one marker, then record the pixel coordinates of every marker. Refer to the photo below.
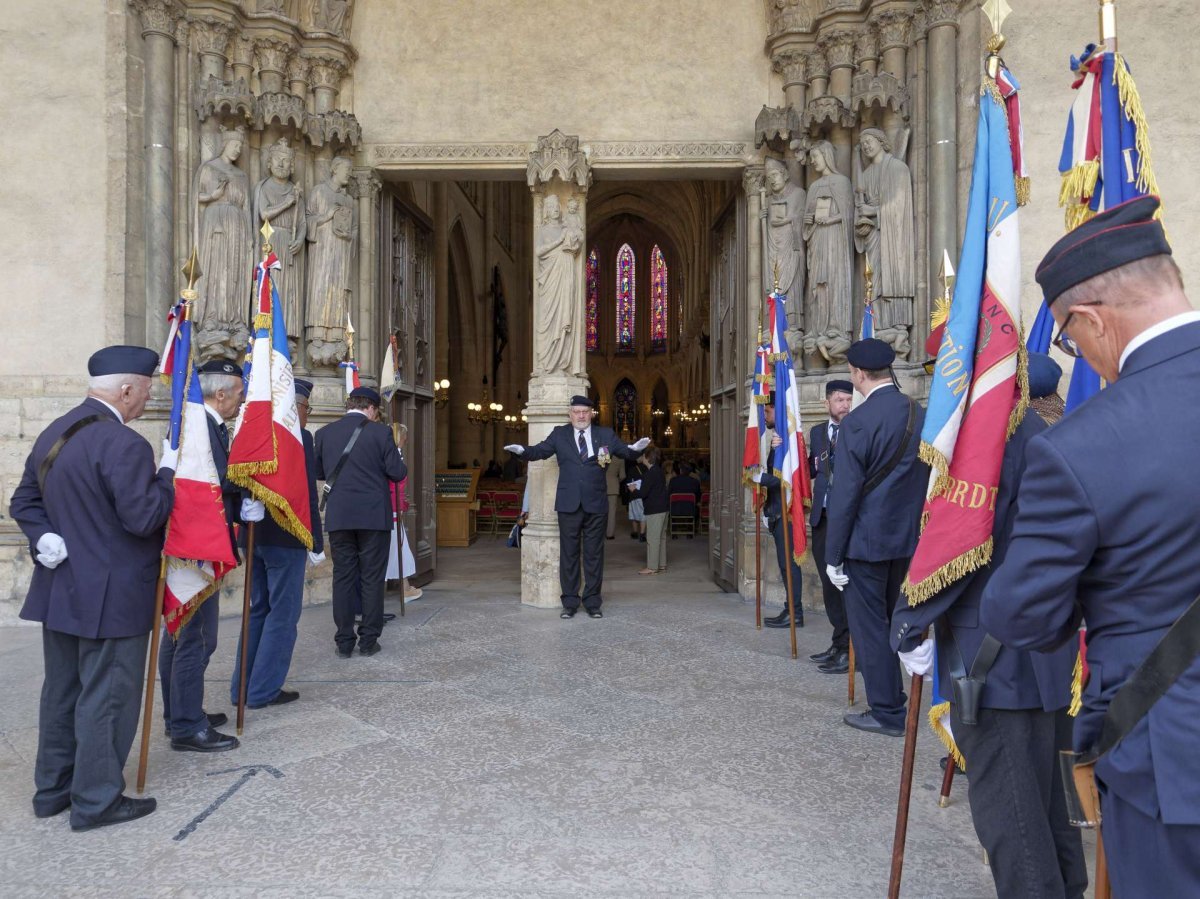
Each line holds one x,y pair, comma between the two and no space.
93,505
874,511
1107,533
356,458
583,451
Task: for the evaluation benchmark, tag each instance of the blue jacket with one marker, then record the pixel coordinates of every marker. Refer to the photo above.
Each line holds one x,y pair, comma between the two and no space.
268,533
231,494
108,503
361,499
1108,532
581,484
1017,680
818,469
883,524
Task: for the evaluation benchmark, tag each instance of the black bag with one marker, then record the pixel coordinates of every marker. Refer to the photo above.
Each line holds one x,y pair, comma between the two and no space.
514,537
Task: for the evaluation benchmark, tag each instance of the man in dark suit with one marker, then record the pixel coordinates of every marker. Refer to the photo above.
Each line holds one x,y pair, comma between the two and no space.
874,511
93,508
1107,532
277,590
583,450
183,660
822,449
1012,749
772,511
358,514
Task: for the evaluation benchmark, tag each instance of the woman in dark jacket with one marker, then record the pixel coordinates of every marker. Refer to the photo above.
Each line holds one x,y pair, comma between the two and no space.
652,491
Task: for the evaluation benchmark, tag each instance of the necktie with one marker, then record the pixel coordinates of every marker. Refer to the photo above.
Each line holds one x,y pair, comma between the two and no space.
833,443
224,432
583,453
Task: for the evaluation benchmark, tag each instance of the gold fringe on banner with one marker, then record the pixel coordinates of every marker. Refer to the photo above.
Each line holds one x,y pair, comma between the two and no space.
1078,182
935,721
184,614
1024,190
1022,406
947,574
1131,102
1076,687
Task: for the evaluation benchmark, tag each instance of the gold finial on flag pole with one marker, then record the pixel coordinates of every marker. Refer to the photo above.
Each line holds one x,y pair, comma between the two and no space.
868,283
349,339
947,276
996,11
266,231
191,271
1108,24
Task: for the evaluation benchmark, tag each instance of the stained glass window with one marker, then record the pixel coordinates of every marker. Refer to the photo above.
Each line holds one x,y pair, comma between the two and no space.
626,298
593,302
659,299
625,407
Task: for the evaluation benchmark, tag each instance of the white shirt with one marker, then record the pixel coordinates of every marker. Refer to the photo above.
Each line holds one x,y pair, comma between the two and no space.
120,417
587,436
878,386
214,415
1170,324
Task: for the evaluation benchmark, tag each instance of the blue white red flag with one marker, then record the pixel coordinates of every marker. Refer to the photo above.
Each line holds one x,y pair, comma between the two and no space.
267,454
352,379
791,465
756,425
868,322
197,548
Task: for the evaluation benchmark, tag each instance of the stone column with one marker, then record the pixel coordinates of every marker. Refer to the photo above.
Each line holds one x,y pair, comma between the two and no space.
894,29
942,171
326,75
212,41
792,64
752,184
557,168
365,185
159,18
919,156
838,47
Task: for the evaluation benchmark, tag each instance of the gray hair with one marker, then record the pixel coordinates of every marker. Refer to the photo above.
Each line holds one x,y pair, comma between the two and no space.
210,384
109,383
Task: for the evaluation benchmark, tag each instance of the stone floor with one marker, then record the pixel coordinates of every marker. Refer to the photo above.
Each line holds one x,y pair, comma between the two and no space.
495,750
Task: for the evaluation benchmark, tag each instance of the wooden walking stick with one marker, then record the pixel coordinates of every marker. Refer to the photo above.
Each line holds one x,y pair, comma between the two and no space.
241,708
947,780
906,772
757,562
151,675
850,674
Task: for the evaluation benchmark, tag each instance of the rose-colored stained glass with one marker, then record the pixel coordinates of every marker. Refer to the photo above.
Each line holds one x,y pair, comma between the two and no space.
593,302
626,295
659,299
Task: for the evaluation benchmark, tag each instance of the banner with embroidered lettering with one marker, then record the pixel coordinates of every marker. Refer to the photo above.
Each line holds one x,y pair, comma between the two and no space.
790,466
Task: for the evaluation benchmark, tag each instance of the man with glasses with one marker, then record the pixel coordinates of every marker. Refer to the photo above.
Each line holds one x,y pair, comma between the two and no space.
1108,532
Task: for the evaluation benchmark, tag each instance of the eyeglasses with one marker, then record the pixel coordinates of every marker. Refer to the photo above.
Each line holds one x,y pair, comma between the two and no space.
1064,341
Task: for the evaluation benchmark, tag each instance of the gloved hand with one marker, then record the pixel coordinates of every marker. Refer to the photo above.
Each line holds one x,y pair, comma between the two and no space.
837,577
315,559
51,550
756,477
170,457
640,444
919,660
516,449
252,510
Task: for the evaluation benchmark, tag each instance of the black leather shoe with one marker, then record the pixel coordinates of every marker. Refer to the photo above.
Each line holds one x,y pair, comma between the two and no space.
207,740
567,613
282,698
773,621
389,616
217,719
839,664
369,650
824,655
125,809
868,722
595,613
54,808
783,621
345,653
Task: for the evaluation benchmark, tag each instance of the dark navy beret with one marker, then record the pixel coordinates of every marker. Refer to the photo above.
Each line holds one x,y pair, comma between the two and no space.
578,400
832,387
871,354
303,387
366,393
1126,233
1044,375
219,367
123,360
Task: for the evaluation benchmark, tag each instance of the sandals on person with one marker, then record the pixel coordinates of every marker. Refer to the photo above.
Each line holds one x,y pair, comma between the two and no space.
647,571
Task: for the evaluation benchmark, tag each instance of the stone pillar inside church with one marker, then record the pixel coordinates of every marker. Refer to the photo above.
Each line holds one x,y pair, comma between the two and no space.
559,176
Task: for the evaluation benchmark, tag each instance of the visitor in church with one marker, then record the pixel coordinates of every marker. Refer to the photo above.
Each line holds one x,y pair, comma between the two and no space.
652,491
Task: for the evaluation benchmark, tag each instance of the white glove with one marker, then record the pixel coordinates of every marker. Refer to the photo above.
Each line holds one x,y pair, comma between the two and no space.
315,559
756,477
919,660
252,510
51,550
516,449
641,444
170,457
837,577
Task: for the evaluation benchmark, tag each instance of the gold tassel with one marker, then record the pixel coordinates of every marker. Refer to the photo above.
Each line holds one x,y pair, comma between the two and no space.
947,574
1018,412
1079,183
935,721
1024,190
1078,214
1131,102
940,314
262,320
1076,687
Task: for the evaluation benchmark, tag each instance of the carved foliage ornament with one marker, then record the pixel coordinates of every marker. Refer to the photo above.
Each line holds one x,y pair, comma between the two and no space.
818,66
866,46
838,46
272,55
558,154
327,71
894,28
158,16
365,184
212,36
942,12
793,65
286,109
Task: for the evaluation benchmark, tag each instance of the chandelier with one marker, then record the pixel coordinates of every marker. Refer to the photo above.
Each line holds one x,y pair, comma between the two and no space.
485,412
441,392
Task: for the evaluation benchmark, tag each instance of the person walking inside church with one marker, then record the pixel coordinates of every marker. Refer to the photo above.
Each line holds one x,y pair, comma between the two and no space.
583,451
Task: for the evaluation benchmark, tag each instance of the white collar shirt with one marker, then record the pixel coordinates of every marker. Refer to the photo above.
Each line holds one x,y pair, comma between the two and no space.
112,408
587,436
1170,324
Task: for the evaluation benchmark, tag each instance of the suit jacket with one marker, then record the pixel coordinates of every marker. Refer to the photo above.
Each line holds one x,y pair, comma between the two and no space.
883,524
1017,680
818,470
361,498
581,484
683,483
106,500
268,533
1107,531
654,493
231,494
773,506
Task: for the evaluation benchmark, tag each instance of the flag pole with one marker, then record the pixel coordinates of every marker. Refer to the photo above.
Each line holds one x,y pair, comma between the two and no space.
947,780
756,504
151,674
783,518
850,675
906,773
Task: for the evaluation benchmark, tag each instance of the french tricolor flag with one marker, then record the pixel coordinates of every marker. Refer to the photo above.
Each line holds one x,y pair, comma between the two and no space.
267,455
791,467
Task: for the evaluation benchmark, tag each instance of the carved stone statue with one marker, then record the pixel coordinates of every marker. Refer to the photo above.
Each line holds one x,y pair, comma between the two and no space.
884,231
330,15
829,230
277,199
332,229
557,253
783,239
227,246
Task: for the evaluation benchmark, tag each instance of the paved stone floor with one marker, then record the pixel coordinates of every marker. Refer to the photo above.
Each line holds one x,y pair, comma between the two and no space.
495,750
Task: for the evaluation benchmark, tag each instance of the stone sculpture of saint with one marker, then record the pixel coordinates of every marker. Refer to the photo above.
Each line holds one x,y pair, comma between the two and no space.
332,229
829,232
227,245
558,290
329,15
884,232
783,215
279,200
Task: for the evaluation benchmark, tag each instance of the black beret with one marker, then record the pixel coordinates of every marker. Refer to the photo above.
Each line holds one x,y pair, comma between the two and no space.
1044,375
871,354
832,387
1126,233
219,367
303,387
578,400
366,393
123,360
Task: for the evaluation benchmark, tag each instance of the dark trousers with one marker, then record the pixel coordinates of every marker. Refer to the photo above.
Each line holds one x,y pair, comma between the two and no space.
870,597
1147,859
784,555
89,714
1017,802
276,597
576,530
359,566
835,602
181,665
